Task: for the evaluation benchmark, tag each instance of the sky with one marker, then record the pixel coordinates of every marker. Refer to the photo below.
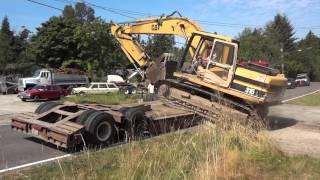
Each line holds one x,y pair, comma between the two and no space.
228,17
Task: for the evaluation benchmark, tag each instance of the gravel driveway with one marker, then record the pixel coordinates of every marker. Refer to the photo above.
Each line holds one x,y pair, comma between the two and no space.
10,105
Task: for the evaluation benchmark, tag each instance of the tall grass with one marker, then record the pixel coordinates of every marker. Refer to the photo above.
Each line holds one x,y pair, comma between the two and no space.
225,150
108,99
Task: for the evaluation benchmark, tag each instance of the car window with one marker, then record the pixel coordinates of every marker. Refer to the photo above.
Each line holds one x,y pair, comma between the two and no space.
103,86
111,86
43,74
94,86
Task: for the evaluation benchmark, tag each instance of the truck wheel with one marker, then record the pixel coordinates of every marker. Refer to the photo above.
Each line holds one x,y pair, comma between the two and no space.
23,99
45,107
84,116
137,125
36,98
100,128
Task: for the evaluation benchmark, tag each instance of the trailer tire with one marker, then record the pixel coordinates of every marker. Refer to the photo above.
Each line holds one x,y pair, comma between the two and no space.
100,128
84,116
45,107
136,123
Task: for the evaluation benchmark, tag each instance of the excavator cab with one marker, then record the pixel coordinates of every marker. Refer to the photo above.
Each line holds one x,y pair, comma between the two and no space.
214,60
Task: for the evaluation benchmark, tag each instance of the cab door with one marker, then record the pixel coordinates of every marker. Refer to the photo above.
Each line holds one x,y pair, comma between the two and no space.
112,88
221,63
103,88
94,89
44,77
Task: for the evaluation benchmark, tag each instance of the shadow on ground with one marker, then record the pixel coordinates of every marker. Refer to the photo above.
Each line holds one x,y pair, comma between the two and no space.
276,122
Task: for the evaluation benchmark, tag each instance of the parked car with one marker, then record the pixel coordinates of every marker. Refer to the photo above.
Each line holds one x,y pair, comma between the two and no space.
303,80
291,83
96,88
42,92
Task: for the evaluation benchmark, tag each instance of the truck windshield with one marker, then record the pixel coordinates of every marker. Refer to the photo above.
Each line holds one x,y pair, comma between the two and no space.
37,73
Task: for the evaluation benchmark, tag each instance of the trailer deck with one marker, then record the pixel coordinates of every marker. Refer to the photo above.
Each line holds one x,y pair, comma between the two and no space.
60,126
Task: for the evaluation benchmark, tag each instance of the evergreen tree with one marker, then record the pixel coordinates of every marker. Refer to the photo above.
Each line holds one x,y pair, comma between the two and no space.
5,27
6,36
84,13
282,30
69,12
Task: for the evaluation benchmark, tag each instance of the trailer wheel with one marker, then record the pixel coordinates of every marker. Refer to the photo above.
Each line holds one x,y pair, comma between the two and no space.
84,116
100,128
137,125
45,107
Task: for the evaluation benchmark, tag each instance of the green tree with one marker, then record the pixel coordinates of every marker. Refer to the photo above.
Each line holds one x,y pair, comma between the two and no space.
69,12
282,30
158,44
5,27
6,37
255,45
54,42
19,46
308,54
84,13
77,39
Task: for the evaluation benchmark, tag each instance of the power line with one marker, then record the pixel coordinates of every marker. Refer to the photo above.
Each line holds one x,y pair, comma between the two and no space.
115,11
132,15
110,10
42,4
204,22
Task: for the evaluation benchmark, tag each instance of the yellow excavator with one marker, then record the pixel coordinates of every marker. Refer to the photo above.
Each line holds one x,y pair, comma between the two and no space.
208,74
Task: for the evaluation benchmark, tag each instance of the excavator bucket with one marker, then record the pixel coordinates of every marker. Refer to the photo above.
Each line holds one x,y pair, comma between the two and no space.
162,68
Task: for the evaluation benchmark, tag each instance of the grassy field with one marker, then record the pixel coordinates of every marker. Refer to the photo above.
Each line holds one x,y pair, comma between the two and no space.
116,98
310,100
222,151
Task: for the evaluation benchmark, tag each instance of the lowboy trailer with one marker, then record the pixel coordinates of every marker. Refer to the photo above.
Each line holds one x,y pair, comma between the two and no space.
69,125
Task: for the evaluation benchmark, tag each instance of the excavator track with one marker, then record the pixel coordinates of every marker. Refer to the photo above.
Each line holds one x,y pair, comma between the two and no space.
209,105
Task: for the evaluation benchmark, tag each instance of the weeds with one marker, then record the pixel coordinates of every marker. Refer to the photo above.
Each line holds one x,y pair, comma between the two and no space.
208,151
115,98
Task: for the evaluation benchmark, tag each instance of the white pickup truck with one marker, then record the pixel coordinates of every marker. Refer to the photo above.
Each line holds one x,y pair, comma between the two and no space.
96,88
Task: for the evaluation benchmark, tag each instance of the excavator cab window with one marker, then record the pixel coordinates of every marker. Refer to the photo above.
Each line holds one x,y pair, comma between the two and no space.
214,60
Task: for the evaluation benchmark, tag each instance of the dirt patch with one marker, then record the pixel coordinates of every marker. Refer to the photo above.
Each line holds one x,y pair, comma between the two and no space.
296,129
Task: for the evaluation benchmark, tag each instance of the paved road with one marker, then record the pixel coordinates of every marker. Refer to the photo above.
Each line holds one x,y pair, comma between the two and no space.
17,149
291,93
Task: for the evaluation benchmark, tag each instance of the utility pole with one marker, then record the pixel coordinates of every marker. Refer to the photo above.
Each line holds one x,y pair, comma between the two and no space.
282,62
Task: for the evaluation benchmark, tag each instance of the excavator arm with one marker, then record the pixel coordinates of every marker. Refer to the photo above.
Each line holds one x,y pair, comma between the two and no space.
164,25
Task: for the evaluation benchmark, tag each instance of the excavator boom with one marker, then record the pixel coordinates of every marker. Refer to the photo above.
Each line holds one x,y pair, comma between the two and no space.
165,25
